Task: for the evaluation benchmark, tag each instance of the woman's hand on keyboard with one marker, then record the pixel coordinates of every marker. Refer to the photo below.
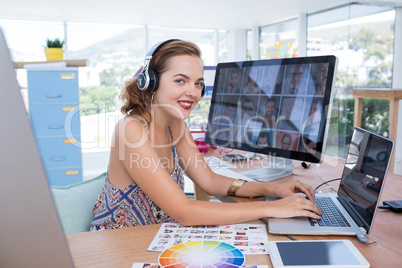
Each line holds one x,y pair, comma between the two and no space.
294,206
290,188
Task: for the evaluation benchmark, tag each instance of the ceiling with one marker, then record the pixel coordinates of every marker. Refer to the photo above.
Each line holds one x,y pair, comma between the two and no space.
205,14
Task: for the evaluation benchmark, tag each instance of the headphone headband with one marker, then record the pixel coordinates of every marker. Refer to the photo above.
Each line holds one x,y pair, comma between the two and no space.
156,47
148,79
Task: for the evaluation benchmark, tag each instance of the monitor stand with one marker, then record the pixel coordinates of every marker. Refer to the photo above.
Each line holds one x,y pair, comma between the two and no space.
276,168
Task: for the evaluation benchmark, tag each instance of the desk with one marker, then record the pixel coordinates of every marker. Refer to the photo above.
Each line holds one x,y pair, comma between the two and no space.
123,247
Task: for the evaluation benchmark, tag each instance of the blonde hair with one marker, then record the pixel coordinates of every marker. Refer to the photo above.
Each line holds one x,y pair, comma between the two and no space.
135,101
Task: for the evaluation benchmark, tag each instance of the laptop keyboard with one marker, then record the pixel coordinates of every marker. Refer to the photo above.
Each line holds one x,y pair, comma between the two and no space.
331,215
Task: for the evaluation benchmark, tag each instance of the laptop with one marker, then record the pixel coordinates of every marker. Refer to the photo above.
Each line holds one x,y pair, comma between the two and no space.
30,233
360,189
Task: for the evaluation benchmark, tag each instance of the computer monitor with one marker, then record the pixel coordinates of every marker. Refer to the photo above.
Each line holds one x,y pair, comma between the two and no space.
278,107
31,234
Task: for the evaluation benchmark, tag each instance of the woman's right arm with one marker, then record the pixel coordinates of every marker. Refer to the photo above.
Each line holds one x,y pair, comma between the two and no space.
142,163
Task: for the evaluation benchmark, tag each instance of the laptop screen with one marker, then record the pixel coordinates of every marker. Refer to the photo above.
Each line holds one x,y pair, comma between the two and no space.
363,175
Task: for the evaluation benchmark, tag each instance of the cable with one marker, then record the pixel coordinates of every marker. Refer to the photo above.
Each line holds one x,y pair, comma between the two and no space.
305,165
319,175
302,173
321,178
385,207
291,237
326,182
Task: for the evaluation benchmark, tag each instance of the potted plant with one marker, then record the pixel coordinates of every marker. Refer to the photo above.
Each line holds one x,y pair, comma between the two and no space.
54,49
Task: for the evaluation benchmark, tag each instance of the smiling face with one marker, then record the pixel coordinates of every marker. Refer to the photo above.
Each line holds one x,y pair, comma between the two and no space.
286,142
180,87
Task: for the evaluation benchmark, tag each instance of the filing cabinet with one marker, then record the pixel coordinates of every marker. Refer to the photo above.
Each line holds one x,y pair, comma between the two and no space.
53,97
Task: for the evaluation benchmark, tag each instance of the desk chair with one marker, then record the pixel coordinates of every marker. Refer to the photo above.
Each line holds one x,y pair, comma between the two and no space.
74,203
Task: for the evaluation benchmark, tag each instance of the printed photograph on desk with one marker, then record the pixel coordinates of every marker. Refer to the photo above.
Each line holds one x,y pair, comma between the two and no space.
248,238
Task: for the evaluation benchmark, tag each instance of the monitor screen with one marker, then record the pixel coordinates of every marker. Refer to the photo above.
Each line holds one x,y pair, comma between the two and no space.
276,107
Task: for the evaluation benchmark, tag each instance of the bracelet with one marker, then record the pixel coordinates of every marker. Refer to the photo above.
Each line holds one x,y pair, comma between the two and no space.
235,186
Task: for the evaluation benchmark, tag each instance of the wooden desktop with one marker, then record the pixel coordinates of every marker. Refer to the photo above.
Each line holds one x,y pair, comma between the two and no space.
123,247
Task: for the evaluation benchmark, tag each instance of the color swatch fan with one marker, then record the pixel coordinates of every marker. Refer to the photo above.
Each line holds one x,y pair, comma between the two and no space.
202,254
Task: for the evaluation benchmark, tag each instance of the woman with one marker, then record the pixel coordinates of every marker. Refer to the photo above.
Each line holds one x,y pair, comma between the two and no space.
152,144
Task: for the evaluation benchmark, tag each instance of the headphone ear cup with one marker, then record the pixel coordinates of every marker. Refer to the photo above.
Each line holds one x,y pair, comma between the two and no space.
141,81
153,81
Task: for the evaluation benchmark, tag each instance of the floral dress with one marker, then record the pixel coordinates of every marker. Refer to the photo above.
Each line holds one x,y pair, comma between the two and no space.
130,206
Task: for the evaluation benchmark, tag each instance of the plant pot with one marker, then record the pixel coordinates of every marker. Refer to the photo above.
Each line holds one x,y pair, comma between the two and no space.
54,53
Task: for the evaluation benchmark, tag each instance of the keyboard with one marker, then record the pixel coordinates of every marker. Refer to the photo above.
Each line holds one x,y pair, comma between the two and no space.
331,215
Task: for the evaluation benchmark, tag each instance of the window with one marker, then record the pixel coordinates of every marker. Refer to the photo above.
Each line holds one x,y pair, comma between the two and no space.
279,40
115,53
202,38
362,37
29,46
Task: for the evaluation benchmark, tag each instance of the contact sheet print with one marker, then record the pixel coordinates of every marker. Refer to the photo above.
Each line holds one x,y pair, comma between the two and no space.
248,238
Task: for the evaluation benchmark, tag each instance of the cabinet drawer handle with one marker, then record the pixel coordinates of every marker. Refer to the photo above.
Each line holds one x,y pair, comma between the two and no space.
68,108
72,172
54,96
55,127
57,159
67,76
